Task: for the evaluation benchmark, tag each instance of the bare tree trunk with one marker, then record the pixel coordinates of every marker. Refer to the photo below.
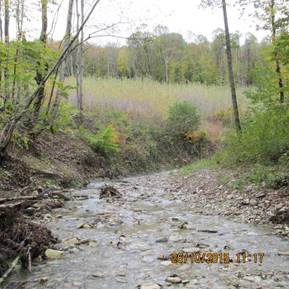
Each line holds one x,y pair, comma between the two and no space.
1,24
230,69
166,71
6,20
39,74
1,39
19,25
277,61
6,39
63,67
79,61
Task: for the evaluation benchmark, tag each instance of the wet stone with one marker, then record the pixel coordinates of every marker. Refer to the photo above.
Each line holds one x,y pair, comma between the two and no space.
150,286
174,279
53,254
162,240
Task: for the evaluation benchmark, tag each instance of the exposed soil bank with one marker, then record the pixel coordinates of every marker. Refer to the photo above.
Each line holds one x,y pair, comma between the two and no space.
66,161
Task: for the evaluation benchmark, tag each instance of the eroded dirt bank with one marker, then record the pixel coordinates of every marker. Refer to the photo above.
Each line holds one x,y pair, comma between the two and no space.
125,242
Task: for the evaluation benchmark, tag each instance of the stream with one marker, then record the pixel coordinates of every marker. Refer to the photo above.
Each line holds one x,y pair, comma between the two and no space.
131,238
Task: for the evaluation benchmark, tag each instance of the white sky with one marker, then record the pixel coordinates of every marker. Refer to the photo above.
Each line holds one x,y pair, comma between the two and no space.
179,16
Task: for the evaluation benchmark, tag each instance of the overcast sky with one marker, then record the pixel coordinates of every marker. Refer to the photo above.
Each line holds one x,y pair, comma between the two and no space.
182,16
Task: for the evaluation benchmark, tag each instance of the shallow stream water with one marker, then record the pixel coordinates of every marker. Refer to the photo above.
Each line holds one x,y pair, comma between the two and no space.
131,233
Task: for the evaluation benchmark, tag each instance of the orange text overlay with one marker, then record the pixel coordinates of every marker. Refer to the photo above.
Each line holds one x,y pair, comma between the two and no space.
216,257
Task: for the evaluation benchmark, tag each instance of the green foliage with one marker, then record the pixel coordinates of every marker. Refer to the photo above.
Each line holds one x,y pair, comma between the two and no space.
106,141
270,176
166,57
225,116
182,118
198,165
264,140
65,117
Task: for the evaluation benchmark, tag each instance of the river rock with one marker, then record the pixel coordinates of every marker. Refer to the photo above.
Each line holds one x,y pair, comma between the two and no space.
255,279
97,275
202,245
53,254
70,243
162,240
286,254
253,202
260,195
150,286
174,279
84,226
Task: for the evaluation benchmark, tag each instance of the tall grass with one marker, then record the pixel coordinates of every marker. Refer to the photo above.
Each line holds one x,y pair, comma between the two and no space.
151,99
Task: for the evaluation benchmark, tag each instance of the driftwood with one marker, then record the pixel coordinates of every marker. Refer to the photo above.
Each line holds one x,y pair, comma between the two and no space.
14,262
109,192
6,209
44,194
10,270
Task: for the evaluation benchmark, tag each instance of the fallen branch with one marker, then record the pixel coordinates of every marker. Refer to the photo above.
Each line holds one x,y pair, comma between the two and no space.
44,194
14,263
10,270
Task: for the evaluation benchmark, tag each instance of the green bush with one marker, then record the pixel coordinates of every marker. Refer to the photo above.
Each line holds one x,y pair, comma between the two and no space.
183,117
106,141
265,138
274,177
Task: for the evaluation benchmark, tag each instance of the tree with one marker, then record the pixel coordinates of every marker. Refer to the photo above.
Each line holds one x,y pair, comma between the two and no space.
80,57
12,122
62,69
230,68
42,67
274,16
229,60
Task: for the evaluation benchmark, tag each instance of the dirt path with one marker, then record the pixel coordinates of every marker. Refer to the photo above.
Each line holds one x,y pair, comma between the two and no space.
128,235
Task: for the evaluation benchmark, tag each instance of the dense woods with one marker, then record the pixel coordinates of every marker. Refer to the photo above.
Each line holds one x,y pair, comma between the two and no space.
167,57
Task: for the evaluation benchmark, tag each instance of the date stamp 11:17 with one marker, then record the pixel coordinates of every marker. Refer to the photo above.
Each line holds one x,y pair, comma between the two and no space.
216,257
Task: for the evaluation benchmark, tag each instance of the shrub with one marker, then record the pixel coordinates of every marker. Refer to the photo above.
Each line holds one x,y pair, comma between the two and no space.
265,138
106,141
225,117
274,177
65,117
183,117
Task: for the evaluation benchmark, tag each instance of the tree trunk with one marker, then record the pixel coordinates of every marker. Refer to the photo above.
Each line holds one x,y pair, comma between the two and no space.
230,69
6,21
276,56
166,70
39,74
63,67
6,39
1,24
1,39
80,63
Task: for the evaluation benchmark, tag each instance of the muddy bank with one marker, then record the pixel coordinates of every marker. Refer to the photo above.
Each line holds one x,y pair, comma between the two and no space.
124,241
213,192
66,161
52,160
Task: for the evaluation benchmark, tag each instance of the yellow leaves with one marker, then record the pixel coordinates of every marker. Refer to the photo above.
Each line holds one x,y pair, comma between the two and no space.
196,136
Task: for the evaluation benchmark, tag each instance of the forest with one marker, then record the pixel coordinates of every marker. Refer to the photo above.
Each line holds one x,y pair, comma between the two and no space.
105,133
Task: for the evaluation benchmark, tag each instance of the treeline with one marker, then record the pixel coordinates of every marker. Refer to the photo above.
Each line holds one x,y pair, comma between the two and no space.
167,57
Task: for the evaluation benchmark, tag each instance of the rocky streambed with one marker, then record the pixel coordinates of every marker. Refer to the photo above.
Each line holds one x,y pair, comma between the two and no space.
125,241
